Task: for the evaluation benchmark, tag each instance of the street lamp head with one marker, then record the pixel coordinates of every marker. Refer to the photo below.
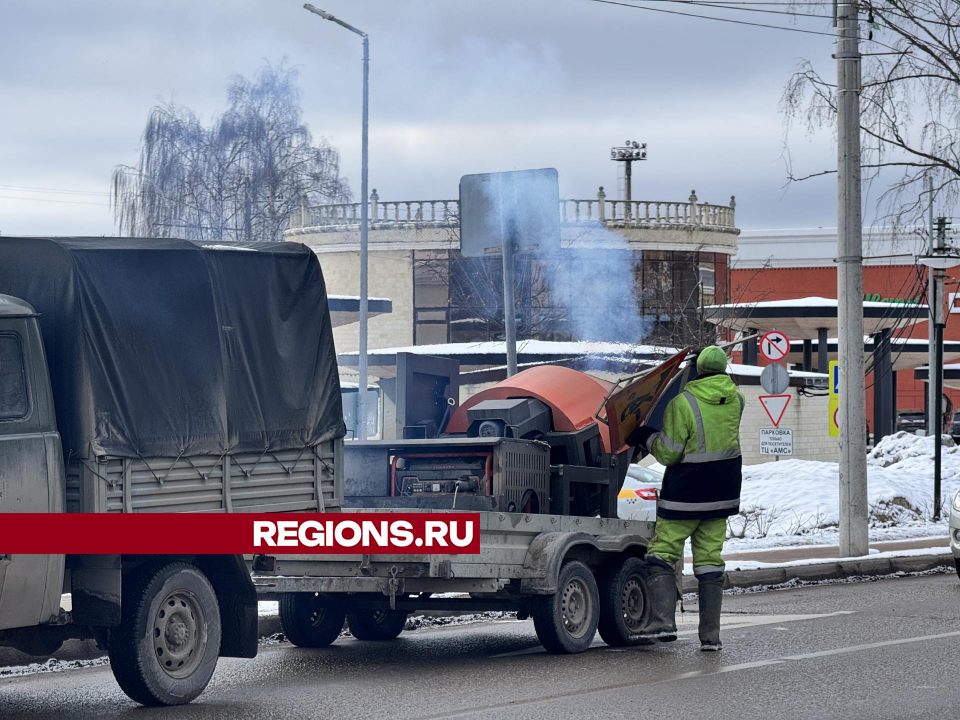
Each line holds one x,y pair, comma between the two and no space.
317,11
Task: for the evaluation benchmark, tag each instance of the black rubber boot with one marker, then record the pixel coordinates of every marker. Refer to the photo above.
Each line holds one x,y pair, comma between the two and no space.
662,586
711,598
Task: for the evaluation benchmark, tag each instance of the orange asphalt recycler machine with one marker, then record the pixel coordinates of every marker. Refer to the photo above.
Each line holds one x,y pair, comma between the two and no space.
537,442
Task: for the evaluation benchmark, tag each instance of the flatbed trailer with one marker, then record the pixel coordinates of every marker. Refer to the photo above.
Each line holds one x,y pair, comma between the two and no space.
573,575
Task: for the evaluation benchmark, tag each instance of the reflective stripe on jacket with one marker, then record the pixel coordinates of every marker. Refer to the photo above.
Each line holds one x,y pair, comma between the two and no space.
700,446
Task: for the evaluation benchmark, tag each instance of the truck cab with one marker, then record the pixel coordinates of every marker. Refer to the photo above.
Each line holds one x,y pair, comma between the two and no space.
31,465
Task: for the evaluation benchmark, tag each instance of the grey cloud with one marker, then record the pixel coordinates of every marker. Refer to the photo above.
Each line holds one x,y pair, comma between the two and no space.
457,87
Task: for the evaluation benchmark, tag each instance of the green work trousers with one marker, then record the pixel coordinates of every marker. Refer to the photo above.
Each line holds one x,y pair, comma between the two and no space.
706,537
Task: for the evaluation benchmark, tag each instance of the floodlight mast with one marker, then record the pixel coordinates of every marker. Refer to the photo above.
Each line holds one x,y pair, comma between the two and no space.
629,152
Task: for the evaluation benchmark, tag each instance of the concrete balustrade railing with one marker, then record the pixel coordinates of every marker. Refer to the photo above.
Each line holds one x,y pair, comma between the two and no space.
446,213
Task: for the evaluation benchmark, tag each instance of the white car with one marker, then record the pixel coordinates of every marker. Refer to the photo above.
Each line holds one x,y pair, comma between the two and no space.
954,530
638,496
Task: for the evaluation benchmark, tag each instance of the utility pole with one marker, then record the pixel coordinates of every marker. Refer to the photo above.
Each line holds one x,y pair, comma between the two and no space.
361,419
854,535
931,304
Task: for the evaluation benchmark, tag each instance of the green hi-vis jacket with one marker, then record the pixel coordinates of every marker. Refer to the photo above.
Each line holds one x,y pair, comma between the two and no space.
700,446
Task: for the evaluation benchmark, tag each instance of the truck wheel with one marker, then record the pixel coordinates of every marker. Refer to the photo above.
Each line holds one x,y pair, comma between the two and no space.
624,607
956,561
377,624
310,621
567,621
165,649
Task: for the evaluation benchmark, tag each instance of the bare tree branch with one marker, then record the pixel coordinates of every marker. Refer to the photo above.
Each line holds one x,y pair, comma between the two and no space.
239,179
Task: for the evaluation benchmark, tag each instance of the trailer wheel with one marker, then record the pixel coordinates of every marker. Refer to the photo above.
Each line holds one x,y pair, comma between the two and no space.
377,624
165,649
624,606
310,621
566,622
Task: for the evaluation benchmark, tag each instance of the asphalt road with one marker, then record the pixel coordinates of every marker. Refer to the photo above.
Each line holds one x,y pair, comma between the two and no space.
884,649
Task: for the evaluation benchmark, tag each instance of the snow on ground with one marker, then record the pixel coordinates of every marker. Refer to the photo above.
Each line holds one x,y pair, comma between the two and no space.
874,554
50,666
801,495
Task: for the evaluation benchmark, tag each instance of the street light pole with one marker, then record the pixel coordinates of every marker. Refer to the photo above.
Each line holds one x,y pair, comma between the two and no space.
938,261
360,426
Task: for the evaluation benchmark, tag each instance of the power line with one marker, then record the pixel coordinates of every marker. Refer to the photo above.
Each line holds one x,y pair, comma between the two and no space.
718,19
722,5
27,188
53,200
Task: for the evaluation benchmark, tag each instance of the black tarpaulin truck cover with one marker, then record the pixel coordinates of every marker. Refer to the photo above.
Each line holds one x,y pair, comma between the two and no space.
169,348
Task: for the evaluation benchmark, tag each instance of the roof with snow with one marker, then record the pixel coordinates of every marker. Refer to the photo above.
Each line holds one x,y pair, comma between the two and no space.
803,318
906,352
492,353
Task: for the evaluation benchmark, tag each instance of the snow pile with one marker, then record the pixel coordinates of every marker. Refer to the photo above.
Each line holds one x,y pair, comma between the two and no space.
801,496
902,446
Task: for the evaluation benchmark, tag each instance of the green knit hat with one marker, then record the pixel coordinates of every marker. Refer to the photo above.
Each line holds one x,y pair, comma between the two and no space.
712,360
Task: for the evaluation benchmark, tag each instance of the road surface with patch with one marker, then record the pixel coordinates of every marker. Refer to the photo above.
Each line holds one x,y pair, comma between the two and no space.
883,649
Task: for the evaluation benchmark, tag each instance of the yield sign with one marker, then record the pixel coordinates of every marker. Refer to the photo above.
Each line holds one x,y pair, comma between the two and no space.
775,406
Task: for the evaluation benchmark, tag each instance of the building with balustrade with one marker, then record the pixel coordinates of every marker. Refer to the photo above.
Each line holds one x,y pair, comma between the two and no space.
676,253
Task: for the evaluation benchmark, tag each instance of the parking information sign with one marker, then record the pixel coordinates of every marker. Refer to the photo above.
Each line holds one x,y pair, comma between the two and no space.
833,407
776,441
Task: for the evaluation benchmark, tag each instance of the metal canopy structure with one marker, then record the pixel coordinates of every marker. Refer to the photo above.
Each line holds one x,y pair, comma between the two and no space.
806,318
492,354
951,375
906,353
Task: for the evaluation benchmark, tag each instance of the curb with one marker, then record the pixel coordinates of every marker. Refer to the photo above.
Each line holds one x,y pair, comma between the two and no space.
834,570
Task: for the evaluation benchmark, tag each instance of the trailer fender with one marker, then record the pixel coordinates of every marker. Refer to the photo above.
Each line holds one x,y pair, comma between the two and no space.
95,585
547,552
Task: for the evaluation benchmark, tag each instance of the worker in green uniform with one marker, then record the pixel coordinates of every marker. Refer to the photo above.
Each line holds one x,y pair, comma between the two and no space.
700,446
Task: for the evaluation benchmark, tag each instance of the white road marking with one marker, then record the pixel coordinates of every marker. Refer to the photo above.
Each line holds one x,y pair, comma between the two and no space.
707,671
688,627
871,646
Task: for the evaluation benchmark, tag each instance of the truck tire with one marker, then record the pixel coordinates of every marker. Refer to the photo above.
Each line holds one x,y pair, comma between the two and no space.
377,625
165,649
566,622
624,604
310,621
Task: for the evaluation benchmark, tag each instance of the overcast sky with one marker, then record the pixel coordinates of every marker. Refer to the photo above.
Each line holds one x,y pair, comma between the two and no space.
457,87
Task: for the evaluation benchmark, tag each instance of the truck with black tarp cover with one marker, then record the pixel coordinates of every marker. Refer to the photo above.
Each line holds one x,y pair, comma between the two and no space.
158,375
